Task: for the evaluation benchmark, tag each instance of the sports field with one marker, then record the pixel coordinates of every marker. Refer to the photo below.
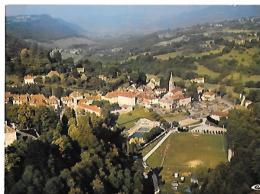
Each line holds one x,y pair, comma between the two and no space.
188,153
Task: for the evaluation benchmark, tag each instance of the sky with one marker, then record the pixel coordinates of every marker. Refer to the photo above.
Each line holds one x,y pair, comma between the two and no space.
100,17
113,19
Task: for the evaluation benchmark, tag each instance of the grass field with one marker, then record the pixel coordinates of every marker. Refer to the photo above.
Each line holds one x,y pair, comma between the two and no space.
166,56
236,76
187,153
202,70
128,119
243,57
174,116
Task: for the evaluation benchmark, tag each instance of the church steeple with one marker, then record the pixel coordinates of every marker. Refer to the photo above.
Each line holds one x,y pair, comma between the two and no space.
171,83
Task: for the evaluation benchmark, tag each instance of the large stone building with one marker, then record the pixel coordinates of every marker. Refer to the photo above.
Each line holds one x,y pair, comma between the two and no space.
123,98
127,99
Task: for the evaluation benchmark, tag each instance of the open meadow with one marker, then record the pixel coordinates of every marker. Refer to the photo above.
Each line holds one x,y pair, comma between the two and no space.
187,154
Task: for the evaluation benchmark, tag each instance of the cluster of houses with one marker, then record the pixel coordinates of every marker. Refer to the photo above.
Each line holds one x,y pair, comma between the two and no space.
148,95
127,97
32,100
144,95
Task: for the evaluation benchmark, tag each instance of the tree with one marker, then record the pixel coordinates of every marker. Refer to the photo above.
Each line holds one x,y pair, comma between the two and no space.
58,92
25,116
192,91
54,186
98,186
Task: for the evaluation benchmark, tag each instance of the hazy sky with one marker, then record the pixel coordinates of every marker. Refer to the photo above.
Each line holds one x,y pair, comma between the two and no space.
101,17
111,19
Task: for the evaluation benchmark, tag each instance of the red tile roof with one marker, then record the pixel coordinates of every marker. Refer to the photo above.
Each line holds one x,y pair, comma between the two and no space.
28,77
93,108
120,93
38,100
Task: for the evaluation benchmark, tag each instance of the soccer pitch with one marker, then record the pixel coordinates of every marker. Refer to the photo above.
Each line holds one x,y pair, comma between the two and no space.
187,154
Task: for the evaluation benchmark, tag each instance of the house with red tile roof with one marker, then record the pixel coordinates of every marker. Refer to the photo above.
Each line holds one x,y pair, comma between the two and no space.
67,101
217,115
89,108
76,96
184,101
121,97
20,99
29,79
38,100
127,98
54,102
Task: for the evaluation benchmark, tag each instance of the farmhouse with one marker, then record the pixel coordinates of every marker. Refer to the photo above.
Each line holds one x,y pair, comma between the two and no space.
218,115
199,80
29,79
80,70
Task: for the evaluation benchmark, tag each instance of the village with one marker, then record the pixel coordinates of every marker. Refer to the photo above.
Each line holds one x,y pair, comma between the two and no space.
209,107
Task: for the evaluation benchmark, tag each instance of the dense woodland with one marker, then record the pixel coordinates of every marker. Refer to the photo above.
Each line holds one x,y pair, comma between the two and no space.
80,155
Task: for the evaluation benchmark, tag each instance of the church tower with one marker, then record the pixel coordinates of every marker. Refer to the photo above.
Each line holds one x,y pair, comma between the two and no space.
171,83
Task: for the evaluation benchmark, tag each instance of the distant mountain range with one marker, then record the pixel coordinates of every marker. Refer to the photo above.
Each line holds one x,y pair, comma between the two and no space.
41,28
215,14
137,20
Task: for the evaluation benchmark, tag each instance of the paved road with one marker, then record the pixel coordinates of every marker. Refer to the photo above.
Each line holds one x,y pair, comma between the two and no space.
154,177
158,145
